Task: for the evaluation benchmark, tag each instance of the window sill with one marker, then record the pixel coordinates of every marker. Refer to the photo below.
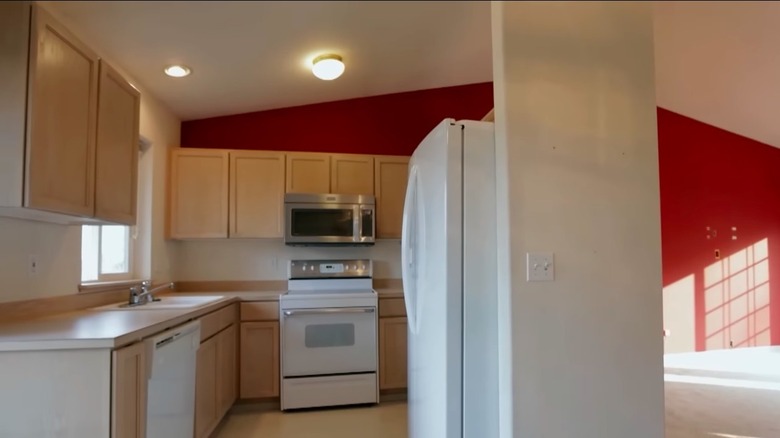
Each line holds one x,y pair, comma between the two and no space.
103,286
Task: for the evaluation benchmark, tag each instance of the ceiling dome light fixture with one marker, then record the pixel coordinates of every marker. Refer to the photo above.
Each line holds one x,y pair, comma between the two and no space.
177,71
327,67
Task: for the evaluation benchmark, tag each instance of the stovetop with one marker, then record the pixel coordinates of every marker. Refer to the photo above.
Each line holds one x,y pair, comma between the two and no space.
329,283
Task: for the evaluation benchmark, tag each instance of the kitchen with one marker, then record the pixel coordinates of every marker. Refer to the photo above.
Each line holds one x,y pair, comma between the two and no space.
209,221
213,164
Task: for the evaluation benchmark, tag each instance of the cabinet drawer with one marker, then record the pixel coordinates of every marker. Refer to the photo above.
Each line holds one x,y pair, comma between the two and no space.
209,325
214,322
229,315
391,307
257,311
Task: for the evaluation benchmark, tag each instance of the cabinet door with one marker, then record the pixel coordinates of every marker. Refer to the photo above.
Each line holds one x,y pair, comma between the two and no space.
308,173
256,193
199,193
128,392
352,174
116,156
206,388
392,353
227,370
62,97
390,176
259,359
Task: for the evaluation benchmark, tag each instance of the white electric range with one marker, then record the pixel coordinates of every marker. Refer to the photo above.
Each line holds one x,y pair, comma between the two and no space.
328,331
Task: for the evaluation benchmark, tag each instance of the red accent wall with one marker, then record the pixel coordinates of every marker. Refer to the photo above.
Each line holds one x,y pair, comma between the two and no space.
392,124
714,178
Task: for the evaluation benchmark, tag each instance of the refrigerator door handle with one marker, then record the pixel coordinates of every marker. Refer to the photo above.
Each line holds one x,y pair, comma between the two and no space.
409,236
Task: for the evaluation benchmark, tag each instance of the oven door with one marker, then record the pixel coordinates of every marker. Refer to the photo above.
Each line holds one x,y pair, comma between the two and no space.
329,341
322,223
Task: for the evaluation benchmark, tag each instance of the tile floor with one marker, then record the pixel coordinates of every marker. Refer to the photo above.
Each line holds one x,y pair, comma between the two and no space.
692,411
387,420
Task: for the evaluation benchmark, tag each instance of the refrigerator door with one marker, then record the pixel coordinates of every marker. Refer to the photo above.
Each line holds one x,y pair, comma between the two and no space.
480,289
431,264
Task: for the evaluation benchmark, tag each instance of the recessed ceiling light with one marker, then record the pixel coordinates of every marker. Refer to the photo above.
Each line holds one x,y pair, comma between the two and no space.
327,67
177,71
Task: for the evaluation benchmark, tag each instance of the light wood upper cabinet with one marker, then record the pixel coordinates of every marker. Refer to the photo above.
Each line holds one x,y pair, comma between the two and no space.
198,202
206,388
259,360
257,187
128,394
69,125
392,353
117,146
308,173
63,100
352,174
390,175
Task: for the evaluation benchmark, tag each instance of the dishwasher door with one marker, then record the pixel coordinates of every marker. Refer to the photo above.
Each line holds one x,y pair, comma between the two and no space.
172,357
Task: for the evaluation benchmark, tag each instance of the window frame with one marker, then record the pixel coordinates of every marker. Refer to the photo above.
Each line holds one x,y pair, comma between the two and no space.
97,248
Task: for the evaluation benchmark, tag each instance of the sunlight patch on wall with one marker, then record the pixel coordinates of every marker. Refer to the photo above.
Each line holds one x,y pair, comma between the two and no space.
736,299
679,316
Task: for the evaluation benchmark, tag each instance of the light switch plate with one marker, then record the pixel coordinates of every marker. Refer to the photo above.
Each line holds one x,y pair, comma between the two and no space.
541,266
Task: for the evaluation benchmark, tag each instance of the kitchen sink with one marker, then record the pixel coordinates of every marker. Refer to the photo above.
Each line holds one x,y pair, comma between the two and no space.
166,303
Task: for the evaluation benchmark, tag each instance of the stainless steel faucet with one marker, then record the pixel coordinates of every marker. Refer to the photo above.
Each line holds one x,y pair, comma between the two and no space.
140,295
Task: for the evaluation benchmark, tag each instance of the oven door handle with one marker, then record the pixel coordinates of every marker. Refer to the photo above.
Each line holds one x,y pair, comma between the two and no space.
329,310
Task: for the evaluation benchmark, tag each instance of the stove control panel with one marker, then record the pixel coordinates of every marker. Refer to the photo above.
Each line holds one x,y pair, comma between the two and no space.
330,269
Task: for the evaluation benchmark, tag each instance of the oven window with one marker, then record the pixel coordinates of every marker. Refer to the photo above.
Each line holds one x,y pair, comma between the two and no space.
321,222
330,335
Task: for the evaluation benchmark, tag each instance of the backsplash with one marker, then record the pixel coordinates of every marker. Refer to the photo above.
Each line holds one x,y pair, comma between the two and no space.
215,260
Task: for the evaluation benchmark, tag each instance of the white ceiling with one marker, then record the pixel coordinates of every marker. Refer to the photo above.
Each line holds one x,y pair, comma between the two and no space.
719,62
250,56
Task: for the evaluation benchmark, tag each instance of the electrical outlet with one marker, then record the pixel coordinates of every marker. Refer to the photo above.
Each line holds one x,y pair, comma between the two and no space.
32,266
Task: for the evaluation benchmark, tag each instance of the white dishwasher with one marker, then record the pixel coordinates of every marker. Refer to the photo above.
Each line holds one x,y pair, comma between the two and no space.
170,392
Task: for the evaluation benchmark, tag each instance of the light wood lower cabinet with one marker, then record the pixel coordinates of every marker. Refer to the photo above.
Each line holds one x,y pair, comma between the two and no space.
392,353
206,388
227,369
216,382
128,394
259,359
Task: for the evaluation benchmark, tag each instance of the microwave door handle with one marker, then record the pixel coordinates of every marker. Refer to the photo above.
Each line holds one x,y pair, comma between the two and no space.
358,223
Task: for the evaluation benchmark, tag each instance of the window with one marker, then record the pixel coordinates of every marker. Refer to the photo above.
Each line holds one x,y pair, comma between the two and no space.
106,253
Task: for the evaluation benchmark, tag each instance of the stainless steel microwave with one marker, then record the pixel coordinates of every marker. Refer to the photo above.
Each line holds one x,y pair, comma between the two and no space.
328,219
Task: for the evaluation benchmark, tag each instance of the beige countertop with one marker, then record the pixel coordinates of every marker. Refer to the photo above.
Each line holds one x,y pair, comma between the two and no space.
107,329
95,328
390,292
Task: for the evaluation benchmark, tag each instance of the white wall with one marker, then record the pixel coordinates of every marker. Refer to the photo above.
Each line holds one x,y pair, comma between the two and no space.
578,176
267,259
58,247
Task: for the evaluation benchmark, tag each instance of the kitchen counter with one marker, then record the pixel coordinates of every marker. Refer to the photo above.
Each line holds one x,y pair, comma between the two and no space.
96,329
262,295
390,292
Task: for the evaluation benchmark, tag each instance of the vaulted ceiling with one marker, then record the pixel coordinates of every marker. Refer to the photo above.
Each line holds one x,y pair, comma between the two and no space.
249,56
715,61
719,62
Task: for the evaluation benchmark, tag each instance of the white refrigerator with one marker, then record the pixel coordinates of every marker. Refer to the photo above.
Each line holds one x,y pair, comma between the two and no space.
448,255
